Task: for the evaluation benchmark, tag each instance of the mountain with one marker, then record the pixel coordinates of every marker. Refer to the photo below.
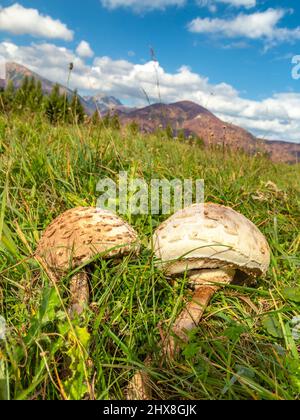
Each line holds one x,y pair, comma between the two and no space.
195,119
282,151
17,72
103,103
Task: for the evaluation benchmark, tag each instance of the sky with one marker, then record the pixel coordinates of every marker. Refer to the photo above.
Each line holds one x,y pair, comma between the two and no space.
238,58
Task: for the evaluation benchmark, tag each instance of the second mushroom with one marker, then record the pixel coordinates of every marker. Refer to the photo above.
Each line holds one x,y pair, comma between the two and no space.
213,245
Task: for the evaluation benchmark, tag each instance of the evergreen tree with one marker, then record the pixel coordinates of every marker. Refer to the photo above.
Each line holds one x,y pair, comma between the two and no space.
31,95
96,118
77,112
31,85
115,122
21,97
8,97
181,135
107,120
37,97
55,105
169,132
134,128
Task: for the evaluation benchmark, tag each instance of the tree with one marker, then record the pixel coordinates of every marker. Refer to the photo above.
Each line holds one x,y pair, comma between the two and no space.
55,105
77,112
96,118
115,122
169,132
133,127
8,97
37,97
181,135
106,120
29,96
21,96
34,96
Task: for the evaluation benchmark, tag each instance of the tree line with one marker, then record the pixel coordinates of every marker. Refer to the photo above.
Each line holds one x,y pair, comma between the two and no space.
58,106
61,107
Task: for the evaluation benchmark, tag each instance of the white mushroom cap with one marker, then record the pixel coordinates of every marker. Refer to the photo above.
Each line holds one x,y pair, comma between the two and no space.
77,235
222,238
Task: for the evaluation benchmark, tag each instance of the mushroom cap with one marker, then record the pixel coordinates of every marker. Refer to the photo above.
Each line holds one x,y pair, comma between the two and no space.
79,234
222,238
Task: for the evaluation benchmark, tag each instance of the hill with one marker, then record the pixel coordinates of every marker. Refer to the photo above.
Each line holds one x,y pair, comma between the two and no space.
282,151
192,118
195,119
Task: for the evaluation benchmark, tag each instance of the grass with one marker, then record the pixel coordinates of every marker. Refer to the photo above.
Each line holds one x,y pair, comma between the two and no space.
244,347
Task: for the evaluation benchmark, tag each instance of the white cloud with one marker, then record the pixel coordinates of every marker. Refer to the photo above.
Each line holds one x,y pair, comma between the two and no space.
142,5
211,4
258,25
276,117
18,20
239,3
84,50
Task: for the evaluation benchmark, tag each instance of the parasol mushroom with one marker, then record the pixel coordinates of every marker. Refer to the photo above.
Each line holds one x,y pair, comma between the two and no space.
215,249
78,235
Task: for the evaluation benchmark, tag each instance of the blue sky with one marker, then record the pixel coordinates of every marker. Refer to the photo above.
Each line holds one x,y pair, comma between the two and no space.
233,56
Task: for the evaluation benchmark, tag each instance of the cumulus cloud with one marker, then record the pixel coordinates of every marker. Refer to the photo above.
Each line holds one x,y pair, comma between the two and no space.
141,5
236,3
84,50
19,20
257,25
276,117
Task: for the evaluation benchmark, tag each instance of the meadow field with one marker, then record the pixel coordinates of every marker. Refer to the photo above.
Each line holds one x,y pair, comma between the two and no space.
247,345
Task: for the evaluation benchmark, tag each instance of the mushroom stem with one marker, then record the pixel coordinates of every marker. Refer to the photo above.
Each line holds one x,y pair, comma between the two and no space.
138,387
189,318
79,289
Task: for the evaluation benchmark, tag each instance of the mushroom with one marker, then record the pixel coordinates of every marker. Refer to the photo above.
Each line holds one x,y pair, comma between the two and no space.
78,235
212,250
215,249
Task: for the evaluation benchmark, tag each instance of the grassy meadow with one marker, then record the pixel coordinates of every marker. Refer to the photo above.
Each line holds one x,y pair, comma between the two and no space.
246,346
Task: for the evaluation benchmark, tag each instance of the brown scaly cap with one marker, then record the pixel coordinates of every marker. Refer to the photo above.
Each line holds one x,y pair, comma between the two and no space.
77,235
